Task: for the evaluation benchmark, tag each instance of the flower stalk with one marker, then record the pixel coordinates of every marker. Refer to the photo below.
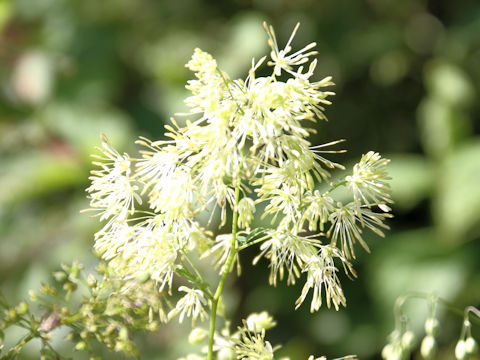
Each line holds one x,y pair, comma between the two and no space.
221,283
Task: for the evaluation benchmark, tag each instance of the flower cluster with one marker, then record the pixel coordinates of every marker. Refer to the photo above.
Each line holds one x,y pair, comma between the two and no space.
244,147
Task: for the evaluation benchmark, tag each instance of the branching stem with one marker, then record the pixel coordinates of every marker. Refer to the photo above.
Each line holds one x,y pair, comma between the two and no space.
226,270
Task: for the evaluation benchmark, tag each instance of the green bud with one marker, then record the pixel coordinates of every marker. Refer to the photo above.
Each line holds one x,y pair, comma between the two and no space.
123,334
226,354
75,270
81,346
407,340
101,268
258,321
152,326
431,326
91,281
428,348
394,335
69,286
22,308
197,336
60,276
471,346
33,295
11,314
143,278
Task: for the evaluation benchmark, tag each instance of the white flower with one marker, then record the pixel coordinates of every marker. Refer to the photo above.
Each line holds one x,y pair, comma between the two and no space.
110,241
190,305
152,250
257,322
369,181
317,211
345,228
209,89
322,276
221,251
286,252
246,209
113,192
347,223
252,346
280,58
174,196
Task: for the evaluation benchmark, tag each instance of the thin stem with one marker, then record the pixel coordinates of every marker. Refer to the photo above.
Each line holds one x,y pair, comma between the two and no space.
226,270
254,242
398,309
338,184
197,277
229,91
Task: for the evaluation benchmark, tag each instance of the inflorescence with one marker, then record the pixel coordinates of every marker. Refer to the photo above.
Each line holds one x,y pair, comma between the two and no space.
244,150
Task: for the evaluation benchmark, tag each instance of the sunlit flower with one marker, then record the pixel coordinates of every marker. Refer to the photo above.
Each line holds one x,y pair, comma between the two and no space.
322,277
287,253
221,250
369,181
246,209
113,192
346,226
257,322
191,305
242,136
318,210
252,346
280,58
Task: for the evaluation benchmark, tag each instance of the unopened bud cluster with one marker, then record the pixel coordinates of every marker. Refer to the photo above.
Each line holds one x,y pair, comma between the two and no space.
107,312
402,341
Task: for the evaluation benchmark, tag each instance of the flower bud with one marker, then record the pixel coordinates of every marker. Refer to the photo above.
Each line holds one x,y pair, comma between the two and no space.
431,326
60,276
259,321
22,308
91,281
460,351
226,354
407,340
123,334
33,295
246,208
80,346
197,336
387,352
428,348
471,346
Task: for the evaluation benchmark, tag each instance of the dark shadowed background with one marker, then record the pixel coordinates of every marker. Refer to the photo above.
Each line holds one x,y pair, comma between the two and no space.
407,77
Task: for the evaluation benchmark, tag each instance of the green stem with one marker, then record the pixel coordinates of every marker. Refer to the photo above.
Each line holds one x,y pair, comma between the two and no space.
334,186
255,242
226,270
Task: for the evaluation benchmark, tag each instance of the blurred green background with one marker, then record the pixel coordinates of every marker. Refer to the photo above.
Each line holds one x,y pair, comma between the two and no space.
407,77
